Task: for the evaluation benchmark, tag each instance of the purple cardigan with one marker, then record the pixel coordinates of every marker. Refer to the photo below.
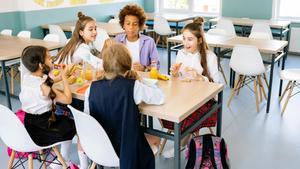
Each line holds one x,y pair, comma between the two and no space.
148,50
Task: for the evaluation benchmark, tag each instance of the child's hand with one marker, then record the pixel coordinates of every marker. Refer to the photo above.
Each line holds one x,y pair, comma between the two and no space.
64,72
138,67
174,70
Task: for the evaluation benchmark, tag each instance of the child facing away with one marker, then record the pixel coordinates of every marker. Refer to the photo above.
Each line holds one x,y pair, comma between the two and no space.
195,62
80,47
141,47
113,101
38,100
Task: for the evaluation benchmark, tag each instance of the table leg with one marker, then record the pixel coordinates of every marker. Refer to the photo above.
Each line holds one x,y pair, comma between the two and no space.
219,115
6,84
270,83
177,135
282,68
169,56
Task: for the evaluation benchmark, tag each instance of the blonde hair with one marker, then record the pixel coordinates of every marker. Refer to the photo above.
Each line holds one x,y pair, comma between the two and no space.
117,62
196,29
69,49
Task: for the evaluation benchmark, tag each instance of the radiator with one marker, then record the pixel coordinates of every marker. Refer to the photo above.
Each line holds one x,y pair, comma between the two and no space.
295,40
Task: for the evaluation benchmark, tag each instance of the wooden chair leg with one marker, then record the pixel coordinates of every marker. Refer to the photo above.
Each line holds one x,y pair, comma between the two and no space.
285,90
223,74
211,130
233,91
59,157
266,80
288,97
243,78
164,143
262,87
0,74
12,80
41,153
93,165
256,94
11,159
157,40
30,161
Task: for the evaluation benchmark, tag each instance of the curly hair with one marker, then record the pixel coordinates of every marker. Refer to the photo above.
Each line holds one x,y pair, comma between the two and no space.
135,10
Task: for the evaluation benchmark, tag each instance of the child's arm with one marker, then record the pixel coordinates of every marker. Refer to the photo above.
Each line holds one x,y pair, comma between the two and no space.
64,97
147,94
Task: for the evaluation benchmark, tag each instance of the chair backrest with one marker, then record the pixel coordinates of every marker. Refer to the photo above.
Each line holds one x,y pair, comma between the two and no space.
72,29
94,140
261,27
100,39
246,60
161,25
226,25
113,20
6,32
24,34
13,132
55,29
51,37
216,31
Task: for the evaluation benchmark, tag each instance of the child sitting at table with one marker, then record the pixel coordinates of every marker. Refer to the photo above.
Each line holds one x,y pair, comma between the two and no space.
113,101
141,47
195,62
38,99
80,47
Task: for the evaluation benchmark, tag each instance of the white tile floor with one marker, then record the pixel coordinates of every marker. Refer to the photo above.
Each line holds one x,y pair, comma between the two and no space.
255,140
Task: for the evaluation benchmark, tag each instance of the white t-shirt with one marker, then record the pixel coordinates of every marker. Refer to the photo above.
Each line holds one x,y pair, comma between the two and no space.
31,95
149,94
134,49
192,60
83,53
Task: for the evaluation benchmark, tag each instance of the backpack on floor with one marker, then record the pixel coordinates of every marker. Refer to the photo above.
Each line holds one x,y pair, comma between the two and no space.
207,152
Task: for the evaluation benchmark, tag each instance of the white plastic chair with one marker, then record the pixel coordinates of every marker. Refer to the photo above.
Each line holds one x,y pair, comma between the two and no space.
94,141
292,75
261,27
15,136
51,37
6,32
72,28
113,20
55,29
162,27
24,34
100,39
226,25
247,62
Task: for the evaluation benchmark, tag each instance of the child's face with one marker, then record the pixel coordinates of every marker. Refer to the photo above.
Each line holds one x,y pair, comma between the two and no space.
89,32
190,41
131,26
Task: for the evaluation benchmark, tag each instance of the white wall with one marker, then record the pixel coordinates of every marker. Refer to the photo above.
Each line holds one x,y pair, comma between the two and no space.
8,6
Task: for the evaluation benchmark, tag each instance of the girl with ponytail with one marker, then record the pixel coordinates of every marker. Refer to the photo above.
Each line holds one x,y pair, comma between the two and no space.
38,100
196,60
113,101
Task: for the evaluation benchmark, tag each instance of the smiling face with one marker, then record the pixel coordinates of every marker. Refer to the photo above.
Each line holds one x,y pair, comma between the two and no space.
190,41
131,27
89,32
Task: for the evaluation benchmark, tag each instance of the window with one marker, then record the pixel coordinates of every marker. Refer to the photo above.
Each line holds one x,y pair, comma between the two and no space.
286,9
204,7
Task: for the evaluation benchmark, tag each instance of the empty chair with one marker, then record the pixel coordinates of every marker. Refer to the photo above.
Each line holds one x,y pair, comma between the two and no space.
261,27
226,25
72,28
15,136
292,75
114,20
94,141
55,29
100,39
6,32
51,37
162,27
24,34
246,61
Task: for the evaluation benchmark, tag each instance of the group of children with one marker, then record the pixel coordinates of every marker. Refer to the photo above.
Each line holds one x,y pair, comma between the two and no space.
114,97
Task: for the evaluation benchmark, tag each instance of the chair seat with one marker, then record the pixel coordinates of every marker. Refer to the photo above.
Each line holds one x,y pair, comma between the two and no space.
290,74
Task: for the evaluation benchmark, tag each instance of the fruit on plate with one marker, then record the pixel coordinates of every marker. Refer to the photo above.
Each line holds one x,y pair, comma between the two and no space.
162,77
72,79
55,72
79,81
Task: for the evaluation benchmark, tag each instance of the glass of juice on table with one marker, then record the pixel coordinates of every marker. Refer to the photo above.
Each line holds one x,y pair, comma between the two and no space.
88,72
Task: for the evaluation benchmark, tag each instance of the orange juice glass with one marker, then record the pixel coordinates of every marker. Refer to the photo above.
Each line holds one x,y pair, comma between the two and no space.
88,75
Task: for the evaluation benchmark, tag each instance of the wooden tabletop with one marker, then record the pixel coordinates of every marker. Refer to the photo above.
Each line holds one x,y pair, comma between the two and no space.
11,47
249,22
112,29
211,40
264,46
182,98
172,17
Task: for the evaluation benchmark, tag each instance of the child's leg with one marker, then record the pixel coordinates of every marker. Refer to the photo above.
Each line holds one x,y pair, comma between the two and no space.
65,150
83,159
